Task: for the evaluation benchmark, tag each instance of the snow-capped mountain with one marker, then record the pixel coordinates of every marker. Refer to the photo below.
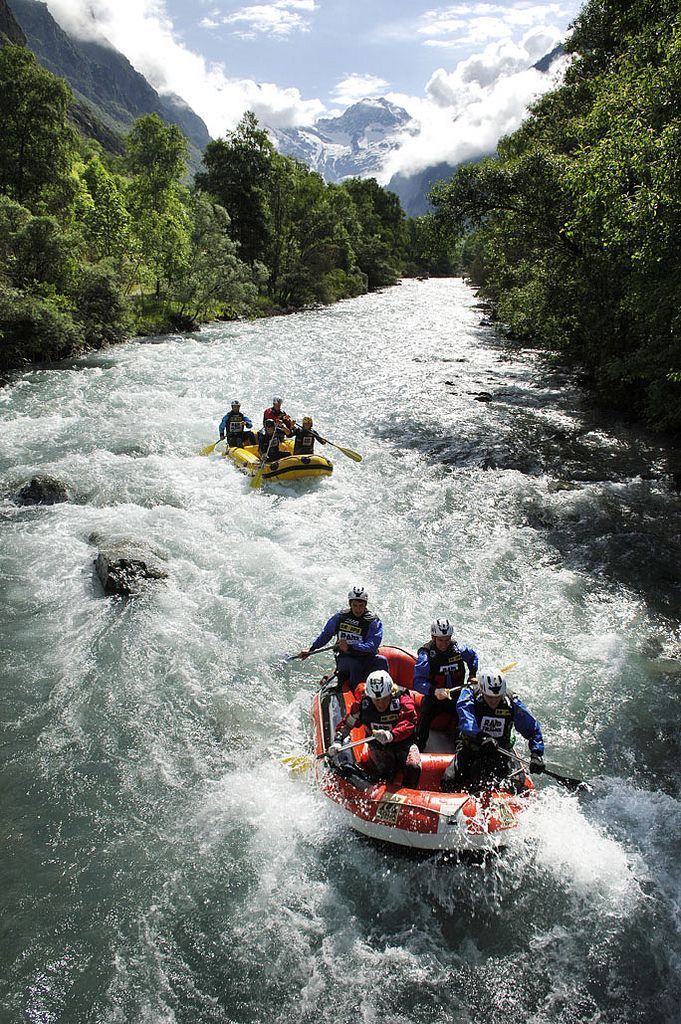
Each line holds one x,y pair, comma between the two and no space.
350,146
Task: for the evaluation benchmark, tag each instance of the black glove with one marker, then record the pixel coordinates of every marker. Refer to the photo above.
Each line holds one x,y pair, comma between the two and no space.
537,765
488,745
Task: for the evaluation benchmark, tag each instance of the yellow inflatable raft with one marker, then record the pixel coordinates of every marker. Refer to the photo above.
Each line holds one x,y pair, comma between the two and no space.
292,467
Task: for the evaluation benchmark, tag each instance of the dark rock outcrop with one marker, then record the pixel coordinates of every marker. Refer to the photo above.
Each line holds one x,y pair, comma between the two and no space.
43,490
126,567
10,31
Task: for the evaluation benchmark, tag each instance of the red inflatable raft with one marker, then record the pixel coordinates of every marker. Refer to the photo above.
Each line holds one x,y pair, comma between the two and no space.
422,818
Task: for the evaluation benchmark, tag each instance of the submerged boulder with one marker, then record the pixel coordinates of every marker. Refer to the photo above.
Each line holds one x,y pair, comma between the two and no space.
125,568
43,490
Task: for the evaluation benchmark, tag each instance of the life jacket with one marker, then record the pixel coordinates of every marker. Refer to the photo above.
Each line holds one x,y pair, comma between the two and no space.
447,668
498,722
272,414
275,452
353,629
236,424
371,718
304,444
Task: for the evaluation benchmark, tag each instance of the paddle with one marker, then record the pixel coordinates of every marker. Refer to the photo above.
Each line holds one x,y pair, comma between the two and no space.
572,784
256,480
211,447
317,650
355,456
301,762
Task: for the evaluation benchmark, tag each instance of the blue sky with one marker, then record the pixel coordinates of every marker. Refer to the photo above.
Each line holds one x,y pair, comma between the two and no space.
460,69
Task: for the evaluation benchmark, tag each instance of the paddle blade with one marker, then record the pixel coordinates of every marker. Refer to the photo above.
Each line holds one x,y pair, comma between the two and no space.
256,479
573,785
297,763
210,449
507,668
355,456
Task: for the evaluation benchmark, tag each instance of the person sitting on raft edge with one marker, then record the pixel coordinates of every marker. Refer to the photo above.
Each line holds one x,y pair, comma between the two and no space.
305,438
387,713
359,633
488,714
233,426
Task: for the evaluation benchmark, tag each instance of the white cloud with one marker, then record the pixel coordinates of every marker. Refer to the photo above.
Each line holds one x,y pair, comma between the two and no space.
142,30
355,87
476,24
279,18
466,111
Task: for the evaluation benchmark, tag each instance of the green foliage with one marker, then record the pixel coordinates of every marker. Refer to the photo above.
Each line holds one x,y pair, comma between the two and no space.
577,222
34,329
105,219
430,249
100,306
93,246
156,154
381,241
216,282
238,174
38,143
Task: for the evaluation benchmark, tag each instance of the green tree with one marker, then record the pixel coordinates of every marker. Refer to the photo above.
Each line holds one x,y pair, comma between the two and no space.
578,219
238,174
215,281
157,200
101,310
312,257
38,144
380,243
106,219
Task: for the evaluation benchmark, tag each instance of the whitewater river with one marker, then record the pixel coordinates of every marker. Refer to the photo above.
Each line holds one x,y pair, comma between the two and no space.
158,863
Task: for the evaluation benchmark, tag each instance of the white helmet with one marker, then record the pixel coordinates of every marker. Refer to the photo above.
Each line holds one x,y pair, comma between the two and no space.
441,627
379,684
358,594
492,684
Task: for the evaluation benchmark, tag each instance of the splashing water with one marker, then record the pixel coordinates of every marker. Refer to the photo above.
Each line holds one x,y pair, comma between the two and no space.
158,864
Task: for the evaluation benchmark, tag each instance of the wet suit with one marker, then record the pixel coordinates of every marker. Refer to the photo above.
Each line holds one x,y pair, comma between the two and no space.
399,719
305,439
364,637
477,764
233,427
436,670
272,441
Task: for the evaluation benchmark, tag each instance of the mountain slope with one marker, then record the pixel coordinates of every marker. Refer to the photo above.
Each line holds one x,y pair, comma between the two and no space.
103,79
9,27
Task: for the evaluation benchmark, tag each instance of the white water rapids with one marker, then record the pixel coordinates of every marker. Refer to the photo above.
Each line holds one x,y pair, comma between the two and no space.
158,863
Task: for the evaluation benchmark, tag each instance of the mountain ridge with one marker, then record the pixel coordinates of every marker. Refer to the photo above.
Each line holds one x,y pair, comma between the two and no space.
103,79
351,145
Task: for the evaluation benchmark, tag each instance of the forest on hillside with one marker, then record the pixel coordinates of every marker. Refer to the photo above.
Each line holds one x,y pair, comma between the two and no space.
95,246
573,230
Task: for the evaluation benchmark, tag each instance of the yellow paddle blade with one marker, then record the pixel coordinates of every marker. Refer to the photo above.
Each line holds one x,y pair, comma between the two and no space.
256,479
209,450
355,456
507,668
297,763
